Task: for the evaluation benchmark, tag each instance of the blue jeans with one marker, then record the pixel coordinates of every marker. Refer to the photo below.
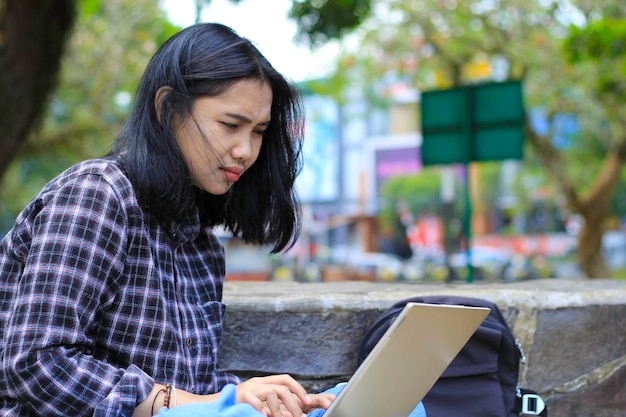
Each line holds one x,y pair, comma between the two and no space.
418,411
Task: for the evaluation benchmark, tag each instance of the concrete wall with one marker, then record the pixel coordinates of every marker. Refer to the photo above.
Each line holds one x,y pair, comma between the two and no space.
573,333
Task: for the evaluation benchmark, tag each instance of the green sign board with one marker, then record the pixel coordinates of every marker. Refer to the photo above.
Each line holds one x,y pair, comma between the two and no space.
483,122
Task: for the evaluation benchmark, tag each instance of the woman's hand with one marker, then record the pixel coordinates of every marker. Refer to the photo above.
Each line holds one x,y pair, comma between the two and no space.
280,396
319,401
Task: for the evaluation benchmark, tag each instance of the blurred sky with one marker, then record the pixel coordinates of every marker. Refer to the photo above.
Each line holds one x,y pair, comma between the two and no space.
266,24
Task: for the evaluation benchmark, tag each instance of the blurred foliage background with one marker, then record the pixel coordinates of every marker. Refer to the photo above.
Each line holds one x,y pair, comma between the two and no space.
569,54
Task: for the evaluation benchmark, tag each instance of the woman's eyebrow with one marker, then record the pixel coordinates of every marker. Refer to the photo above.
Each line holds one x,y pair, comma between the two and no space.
246,119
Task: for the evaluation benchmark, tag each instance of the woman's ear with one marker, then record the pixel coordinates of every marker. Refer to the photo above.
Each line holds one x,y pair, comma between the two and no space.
158,99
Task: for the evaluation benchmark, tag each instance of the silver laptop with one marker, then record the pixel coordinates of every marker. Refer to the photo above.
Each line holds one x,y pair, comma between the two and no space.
407,361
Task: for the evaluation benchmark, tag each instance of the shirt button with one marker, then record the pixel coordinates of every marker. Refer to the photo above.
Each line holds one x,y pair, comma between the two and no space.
189,341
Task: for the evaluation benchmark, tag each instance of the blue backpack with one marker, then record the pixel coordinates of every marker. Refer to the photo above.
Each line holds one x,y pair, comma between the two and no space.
482,381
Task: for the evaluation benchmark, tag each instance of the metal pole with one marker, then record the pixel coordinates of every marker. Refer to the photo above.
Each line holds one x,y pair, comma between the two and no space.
469,135
468,224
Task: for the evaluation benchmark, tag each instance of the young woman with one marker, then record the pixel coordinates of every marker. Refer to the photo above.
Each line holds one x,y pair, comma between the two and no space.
111,278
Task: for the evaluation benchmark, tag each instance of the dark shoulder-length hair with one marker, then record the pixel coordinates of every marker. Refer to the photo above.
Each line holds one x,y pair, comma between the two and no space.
205,60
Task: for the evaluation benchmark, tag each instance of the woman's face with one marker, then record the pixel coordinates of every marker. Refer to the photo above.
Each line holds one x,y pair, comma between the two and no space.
223,137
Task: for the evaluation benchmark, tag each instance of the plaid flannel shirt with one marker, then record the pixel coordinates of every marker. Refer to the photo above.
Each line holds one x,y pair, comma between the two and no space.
98,302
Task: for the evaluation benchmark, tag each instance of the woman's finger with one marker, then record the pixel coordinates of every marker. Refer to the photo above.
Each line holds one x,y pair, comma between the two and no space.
254,401
273,403
320,401
289,382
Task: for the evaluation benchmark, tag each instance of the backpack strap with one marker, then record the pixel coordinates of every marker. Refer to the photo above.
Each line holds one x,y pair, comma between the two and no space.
529,403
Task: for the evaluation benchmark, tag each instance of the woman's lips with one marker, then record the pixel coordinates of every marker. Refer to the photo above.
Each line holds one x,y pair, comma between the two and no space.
232,174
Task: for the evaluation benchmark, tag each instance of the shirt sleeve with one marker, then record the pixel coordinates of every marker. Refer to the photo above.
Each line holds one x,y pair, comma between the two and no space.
223,378
70,273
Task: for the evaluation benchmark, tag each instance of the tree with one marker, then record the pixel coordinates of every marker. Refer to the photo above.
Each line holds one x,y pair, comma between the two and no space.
32,37
318,22
599,49
104,58
437,44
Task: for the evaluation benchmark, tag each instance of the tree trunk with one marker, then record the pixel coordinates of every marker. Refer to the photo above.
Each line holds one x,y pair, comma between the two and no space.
594,208
33,34
589,253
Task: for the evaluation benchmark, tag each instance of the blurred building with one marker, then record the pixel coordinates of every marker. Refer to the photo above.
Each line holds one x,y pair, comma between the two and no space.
350,151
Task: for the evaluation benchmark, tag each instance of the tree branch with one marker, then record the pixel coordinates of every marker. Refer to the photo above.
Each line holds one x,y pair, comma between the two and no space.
552,161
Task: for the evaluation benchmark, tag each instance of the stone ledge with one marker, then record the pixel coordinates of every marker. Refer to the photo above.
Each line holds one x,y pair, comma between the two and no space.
573,333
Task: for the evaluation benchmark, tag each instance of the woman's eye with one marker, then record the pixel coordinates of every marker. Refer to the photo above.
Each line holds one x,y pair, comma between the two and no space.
230,125
260,132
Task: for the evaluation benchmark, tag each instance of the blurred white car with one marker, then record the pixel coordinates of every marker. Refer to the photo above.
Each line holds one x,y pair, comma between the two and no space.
488,263
382,266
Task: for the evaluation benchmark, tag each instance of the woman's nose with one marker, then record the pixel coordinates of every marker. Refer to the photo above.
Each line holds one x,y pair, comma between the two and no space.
242,149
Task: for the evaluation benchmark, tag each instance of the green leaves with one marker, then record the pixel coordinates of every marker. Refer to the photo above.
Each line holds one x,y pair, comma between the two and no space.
600,48
600,40
321,20
88,7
